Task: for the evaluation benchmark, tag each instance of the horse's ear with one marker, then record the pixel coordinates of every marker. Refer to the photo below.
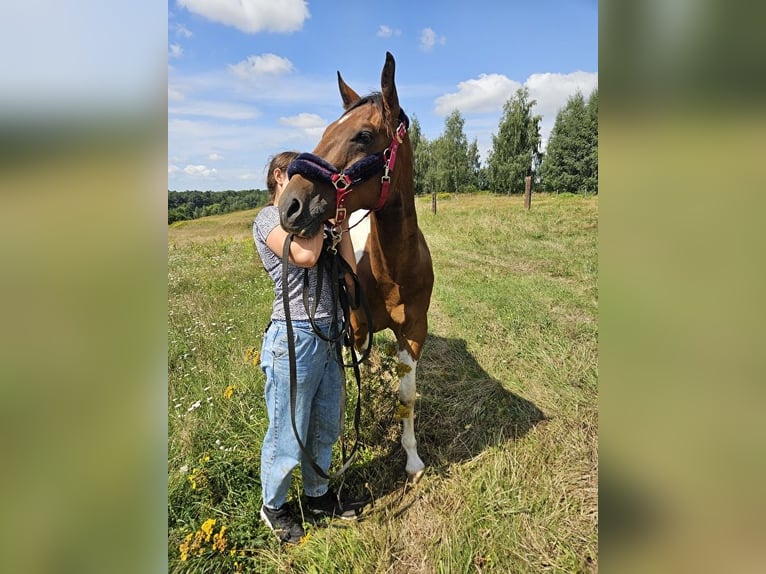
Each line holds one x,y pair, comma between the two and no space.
388,87
349,96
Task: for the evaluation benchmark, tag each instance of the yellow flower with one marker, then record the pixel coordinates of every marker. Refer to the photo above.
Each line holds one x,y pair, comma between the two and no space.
252,355
207,528
184,547
219,540
229,391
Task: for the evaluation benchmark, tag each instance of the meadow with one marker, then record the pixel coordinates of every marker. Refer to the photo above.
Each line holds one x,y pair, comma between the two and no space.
506,416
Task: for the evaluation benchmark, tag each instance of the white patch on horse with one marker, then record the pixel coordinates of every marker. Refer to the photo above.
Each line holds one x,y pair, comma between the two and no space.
359,231
343,119
407,394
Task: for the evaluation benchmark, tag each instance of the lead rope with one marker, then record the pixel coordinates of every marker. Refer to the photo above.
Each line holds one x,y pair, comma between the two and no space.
334,338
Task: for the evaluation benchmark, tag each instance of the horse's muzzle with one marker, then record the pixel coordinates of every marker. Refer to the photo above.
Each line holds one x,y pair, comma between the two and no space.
302,217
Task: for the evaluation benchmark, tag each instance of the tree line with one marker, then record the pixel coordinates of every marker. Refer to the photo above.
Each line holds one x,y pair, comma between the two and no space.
449,164
570,162
184,205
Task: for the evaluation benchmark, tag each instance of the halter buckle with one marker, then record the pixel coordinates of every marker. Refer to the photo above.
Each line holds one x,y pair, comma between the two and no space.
341,181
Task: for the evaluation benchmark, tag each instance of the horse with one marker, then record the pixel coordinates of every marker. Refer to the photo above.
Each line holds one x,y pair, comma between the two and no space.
364,161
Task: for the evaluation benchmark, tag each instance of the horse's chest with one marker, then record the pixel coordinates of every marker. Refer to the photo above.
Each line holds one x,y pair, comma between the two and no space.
360,230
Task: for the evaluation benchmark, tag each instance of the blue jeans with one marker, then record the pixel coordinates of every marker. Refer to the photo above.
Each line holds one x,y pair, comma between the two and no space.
320,382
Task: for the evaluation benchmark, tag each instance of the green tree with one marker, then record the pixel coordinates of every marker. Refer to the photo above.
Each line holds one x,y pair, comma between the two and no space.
571,158
474,167
421,155
436,175
592,180
515,151
451,160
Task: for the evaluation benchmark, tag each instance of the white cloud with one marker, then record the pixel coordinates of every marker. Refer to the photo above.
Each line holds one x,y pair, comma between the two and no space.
487,93
429,38
175,51
173,169
182,30
386,32
199,170
265,64
311,124
212,109
215,157
553,90
252,15
174,94
303,120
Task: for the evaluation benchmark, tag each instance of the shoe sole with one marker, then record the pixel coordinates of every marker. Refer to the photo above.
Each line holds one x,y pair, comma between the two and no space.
276,533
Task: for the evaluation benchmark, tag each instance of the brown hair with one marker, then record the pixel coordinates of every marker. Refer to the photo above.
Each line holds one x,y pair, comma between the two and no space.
279,161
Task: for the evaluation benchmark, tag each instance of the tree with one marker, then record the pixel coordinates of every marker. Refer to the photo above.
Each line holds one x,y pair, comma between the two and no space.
515,151
592,180
458,164
420,156
571,158
452,163
474,166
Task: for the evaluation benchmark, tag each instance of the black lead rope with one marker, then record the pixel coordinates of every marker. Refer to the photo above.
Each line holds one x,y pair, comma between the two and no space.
340,294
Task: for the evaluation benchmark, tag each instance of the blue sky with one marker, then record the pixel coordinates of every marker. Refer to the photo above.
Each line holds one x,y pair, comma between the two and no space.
250,78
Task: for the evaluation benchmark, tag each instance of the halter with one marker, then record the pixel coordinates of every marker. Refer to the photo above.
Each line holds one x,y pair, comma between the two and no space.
314,167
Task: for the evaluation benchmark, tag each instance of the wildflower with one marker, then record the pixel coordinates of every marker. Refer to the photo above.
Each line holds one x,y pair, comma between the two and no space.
219,540
184,548
252,355
228,391
207,528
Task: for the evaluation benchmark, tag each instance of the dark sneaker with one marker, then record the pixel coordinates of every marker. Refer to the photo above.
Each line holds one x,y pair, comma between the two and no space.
281,521
328,506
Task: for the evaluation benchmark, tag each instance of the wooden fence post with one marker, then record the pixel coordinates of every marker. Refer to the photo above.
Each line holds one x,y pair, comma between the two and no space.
433,202
528,191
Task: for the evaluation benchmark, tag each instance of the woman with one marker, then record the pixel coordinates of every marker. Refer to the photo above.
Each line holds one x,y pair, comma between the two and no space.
320,377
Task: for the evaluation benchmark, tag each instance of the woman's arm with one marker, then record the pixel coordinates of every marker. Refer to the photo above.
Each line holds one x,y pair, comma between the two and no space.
304,251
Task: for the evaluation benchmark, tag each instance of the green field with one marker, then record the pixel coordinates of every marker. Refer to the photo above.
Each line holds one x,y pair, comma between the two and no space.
507,418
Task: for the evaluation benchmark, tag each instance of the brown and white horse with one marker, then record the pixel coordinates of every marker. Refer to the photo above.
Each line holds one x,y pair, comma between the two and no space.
364,162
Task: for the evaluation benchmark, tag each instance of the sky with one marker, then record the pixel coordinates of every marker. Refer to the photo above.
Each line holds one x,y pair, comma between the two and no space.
250,78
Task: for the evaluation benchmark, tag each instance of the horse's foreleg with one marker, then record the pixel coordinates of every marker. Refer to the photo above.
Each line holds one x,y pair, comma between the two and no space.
406,412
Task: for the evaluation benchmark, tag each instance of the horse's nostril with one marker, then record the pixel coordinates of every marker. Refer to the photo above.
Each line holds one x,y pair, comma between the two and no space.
294,209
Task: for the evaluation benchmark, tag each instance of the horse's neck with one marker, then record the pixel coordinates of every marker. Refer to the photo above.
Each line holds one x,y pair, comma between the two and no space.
396,235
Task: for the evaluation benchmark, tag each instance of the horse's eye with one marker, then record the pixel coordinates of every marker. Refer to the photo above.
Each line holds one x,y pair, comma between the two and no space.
364,138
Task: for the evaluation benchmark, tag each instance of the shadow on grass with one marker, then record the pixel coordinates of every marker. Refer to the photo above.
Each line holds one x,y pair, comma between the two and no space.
460,412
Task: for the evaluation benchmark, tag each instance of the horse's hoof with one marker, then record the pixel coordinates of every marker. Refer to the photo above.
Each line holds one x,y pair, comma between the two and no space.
414,477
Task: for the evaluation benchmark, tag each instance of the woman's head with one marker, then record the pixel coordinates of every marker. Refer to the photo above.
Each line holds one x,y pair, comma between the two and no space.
276,178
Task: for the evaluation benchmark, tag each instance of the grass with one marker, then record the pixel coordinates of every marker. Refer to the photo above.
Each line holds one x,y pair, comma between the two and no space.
506,414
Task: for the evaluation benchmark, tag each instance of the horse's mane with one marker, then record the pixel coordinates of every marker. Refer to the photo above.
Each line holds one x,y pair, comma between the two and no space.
375,98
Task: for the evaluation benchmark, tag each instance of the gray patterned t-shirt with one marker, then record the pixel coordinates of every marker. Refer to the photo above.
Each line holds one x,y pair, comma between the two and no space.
265,222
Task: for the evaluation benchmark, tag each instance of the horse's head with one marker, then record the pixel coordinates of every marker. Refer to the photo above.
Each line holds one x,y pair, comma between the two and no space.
349,168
